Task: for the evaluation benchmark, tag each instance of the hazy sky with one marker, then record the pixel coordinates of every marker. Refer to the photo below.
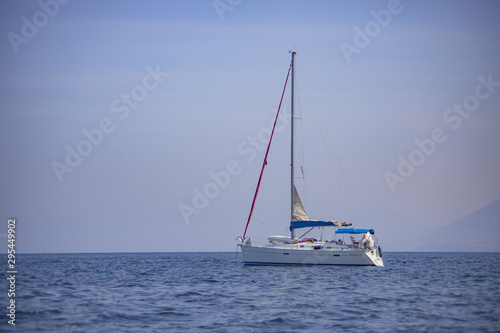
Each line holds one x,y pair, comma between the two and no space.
115,115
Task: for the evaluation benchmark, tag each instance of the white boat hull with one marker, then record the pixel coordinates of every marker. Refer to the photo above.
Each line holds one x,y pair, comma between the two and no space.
288,254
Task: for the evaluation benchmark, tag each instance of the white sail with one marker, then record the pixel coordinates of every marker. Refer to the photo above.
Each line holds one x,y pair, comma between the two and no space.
300,213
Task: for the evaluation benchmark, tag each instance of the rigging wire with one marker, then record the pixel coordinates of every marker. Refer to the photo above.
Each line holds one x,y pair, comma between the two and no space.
306,232
265,224
320,120
299,133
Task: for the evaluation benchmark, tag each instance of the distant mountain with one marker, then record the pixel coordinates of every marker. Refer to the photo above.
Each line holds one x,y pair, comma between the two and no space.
476,232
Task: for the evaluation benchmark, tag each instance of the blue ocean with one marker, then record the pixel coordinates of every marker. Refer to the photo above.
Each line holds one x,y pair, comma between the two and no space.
214,292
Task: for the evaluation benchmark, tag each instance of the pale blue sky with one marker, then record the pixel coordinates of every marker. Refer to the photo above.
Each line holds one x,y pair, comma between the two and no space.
224,79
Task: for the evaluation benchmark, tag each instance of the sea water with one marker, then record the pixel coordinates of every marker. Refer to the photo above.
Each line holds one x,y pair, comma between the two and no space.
215,292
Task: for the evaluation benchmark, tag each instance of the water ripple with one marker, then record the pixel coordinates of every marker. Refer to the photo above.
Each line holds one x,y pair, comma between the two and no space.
207,292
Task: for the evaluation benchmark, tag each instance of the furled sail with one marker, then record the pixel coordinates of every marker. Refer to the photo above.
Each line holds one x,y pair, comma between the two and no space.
339,224
300,213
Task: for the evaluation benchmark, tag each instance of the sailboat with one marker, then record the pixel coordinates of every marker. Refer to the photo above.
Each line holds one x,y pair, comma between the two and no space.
348,246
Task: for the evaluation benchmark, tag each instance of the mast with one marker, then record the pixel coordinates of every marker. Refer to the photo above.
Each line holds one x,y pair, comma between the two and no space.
292,117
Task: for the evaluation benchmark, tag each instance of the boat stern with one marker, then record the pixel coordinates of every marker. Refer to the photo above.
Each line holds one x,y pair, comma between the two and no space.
375,256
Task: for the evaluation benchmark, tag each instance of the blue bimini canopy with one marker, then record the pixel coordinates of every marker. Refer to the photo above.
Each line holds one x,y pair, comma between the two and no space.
309,224
355,231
